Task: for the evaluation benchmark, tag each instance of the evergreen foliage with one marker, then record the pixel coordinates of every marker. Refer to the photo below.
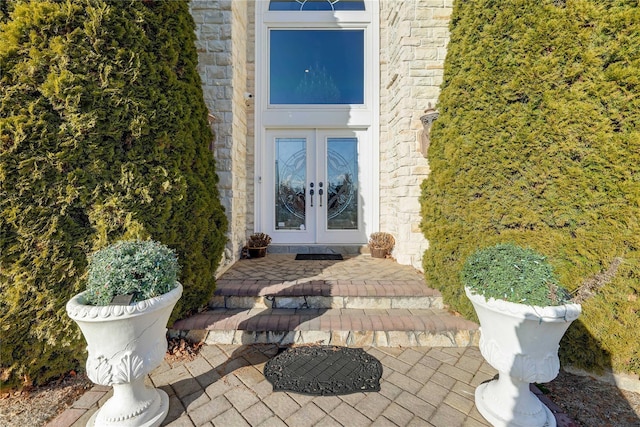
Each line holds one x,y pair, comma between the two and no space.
141,268
512,273
103,137
538,143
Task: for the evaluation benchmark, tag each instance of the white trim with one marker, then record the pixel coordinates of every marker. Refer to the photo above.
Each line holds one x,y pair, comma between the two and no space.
374,129
365,116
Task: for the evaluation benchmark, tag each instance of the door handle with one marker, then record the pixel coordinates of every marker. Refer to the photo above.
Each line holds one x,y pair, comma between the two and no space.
311,193
320,191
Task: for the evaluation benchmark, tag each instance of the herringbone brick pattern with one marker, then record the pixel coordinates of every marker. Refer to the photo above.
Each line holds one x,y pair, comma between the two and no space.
225,386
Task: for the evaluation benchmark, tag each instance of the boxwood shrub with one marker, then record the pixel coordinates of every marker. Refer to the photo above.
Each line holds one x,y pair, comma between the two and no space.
512,273
141,268
538,143
103,136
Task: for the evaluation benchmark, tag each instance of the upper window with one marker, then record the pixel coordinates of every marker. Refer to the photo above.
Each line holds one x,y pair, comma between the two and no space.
316,66
331,5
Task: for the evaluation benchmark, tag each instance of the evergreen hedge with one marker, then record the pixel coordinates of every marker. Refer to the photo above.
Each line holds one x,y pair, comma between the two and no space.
538,143
103,136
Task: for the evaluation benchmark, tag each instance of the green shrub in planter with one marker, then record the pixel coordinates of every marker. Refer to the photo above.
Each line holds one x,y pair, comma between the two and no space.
512,273
144,269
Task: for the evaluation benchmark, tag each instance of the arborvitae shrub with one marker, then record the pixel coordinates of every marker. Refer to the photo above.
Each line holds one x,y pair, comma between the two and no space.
103,136
538,143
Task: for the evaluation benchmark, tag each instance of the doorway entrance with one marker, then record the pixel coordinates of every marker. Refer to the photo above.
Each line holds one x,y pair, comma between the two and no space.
316,121
314,187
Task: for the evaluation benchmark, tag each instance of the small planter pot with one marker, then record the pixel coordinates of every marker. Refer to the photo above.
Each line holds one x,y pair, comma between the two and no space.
260,252
125,343
521,342
379,253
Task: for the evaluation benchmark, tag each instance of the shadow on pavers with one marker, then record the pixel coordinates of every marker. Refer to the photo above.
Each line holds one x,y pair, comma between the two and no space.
187,392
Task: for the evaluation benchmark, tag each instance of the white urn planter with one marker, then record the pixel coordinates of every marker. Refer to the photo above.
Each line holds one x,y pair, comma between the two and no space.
521,342
125,343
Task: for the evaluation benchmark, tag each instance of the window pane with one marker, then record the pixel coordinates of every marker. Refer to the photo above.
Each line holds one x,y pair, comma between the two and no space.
342,184
316,67
316,5
291,178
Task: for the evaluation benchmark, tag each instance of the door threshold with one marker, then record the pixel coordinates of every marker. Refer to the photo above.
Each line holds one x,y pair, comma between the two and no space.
344,249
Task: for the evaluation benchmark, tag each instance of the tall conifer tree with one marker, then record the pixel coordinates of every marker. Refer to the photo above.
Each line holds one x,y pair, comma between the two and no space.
103,136
538,143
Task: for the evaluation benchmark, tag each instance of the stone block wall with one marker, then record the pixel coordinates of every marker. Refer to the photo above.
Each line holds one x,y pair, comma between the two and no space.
222,28
251,88
414,35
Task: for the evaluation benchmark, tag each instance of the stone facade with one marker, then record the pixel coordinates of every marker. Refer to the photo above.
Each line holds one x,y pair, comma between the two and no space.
414,35
413,38
225,50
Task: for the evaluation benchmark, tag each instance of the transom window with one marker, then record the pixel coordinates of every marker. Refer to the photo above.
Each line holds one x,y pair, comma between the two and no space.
320,61
316,66
307,5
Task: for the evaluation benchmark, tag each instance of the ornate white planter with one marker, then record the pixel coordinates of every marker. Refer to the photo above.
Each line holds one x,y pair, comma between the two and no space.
521,342
125,343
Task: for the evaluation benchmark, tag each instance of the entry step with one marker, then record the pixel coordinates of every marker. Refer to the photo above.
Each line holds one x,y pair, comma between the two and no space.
325,294
352,327
355,249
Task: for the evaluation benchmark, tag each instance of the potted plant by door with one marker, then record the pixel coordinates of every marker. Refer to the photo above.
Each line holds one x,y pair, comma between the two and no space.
523,314
381,244
131,290
257,245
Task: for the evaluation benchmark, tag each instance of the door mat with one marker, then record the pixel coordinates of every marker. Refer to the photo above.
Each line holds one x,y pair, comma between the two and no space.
318,257
324,371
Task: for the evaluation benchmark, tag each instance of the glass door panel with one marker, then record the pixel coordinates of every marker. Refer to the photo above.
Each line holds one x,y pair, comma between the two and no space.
286,214
313,188
291,181
342,184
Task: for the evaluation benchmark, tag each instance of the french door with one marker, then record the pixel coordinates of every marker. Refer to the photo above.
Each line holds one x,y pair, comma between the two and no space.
316,187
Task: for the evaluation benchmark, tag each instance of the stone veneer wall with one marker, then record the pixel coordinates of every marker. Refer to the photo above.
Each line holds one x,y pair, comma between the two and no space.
251,88
223,28
414,35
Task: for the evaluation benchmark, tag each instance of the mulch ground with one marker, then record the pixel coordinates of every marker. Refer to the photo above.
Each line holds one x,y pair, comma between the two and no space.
594,403
35,406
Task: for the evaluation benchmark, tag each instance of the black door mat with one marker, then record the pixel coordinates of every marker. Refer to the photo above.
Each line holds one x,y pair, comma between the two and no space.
318,257
324,371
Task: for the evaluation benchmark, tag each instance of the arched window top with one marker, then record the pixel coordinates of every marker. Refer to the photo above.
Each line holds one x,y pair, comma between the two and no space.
315,5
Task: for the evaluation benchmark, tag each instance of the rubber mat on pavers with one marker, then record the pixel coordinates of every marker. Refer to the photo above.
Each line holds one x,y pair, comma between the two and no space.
324,371
319,257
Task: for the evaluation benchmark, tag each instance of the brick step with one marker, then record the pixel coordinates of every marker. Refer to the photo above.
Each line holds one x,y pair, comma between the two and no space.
351,327
324,294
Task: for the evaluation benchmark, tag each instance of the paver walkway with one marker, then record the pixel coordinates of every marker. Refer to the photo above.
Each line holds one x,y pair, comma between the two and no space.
225,386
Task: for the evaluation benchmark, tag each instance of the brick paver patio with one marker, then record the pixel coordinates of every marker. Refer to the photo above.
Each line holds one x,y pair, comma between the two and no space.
225,386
